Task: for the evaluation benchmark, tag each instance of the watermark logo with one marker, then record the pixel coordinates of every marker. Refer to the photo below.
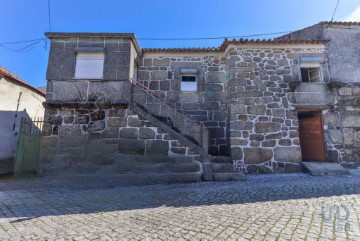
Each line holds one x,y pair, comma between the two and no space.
339,215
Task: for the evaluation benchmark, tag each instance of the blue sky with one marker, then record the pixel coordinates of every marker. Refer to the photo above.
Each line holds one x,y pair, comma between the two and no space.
28,19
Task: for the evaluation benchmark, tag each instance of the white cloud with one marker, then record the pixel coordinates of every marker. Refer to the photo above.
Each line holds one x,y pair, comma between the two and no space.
354,16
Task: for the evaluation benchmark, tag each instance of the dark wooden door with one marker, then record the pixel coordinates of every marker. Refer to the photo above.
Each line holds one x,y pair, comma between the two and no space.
312,138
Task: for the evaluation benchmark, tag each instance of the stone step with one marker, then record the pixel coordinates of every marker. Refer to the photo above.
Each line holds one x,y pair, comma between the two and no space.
158,168
152,159
183,168
222,167
221,159
151,169
349,165
134,178
230,176
184,140
324,168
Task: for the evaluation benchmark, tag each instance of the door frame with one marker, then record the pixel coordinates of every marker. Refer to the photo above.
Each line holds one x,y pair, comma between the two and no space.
322,130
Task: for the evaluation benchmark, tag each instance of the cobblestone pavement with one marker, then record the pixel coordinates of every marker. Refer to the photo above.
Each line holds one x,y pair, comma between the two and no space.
265,207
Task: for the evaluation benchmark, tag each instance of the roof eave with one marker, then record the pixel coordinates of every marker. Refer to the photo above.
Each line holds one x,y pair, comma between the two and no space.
64,35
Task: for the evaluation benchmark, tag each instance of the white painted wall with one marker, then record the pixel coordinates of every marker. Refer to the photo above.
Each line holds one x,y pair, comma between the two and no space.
30,105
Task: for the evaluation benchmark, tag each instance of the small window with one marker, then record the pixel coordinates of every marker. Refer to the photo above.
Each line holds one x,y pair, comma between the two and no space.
89,65
188,83
135,73
311,74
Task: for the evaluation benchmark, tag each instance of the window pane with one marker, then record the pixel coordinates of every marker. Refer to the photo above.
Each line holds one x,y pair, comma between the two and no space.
314,74
305,75
188,79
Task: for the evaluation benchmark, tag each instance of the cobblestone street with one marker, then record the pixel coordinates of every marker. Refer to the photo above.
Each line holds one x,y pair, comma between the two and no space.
266,207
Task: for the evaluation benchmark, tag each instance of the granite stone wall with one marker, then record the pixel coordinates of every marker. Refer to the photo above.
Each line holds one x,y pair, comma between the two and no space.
99,138
161,74
263,125
247,97
344,127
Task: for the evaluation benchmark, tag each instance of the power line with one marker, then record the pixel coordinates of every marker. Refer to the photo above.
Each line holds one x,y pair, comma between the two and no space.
27,47
49,14
23,41
34,42
332,18
212,38
166,39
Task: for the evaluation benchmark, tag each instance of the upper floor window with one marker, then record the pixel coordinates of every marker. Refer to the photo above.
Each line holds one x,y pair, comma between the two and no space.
188,83
310,68
135,73
188,79
89,65
310,74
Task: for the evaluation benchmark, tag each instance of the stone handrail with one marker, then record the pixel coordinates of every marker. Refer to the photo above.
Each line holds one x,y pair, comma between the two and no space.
144,100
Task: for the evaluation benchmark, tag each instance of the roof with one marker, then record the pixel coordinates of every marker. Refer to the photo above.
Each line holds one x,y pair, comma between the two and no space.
220,49
345,24
15,78
61,35
227,42
318,26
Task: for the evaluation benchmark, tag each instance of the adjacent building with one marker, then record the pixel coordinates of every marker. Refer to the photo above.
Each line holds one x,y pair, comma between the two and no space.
182,114
342,122
18,100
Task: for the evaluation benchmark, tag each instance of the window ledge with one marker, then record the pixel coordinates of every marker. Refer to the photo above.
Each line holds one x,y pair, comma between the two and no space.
310,87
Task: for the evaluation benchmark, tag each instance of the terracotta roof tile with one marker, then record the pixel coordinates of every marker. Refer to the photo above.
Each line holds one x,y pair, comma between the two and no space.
181,50
341,23
227,42
8,74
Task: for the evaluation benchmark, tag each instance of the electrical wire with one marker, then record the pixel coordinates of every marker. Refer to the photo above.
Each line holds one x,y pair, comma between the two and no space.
212,38
34,42
332,18
27,47
49,13
23,41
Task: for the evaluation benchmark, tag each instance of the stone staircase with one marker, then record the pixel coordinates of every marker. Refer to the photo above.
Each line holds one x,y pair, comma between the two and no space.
187,131
223,170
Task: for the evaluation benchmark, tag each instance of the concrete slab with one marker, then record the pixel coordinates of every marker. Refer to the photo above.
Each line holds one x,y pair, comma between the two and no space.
324,168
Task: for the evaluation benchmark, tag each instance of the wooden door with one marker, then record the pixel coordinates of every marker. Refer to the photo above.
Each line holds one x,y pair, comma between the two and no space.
311,137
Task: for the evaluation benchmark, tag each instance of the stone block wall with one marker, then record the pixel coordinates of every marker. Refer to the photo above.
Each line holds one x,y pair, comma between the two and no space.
263,126
120,56
245,98
161,74
62,57
101,138
343,125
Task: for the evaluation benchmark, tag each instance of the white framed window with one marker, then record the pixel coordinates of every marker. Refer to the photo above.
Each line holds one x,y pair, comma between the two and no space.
188,83
311,72
310,68
135,73
89,65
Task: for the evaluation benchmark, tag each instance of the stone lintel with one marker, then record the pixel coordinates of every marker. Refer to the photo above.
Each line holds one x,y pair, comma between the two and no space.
311,107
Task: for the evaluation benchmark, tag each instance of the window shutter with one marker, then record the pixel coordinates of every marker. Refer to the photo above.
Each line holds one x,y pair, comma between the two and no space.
89,65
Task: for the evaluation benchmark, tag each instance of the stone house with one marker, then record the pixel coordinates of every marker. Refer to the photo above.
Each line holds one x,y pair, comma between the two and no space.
182,114
341,119
17,99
